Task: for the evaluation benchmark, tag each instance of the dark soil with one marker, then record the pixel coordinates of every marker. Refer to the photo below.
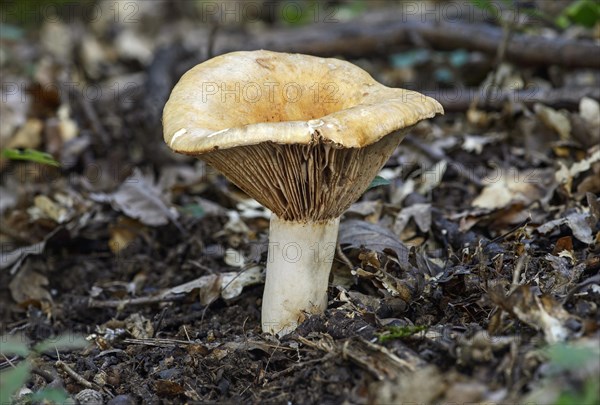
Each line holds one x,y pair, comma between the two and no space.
476,298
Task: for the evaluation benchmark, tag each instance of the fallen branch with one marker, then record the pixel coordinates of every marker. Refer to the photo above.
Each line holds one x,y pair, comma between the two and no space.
460,99
380,32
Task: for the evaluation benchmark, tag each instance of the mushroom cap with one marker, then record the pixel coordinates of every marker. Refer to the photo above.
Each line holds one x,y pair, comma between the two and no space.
245,98
302,135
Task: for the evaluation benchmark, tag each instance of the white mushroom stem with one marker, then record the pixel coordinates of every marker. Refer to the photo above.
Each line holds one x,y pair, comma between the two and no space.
298,266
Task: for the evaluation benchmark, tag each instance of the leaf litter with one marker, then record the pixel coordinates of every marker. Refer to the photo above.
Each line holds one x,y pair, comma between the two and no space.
477,257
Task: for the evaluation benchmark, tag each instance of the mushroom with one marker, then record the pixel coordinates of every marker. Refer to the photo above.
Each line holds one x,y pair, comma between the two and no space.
302,135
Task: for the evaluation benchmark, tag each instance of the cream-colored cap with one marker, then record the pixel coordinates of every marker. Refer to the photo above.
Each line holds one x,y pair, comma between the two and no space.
303,135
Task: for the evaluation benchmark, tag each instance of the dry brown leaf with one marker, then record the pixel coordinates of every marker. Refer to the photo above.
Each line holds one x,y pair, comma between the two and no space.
422,386
16,256
580,224
368,210
52,209
227,285
565,175
359,234
139,198
420,213
558,121
591,184
540,312
123,233
29,136
138,326
511,186
432,177
475,143
28,285
169,389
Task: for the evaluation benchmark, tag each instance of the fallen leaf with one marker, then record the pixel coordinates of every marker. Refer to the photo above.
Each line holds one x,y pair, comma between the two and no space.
421,213
562,244
233,283
166,388
16,256
227,285
369,210
580,224
138,326
421,386
57,39
52,209
250,208
558,121
432,177
29,285
122,234
139,198
132,45
591,184
475,143
565,175
540,312
357,234
29,136
506,187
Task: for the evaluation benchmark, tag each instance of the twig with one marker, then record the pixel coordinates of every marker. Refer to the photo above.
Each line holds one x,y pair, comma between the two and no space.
270,357
592,280
158,342
159,321
509,232
73,374
92,303
460,99
507,31
8,361
342,256
297,366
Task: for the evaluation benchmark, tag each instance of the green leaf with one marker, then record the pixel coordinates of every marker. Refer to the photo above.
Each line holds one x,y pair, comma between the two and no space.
55,395
61,342
399,332
584,12
11,345
568,357
30,155
11,380
590,394
194,210
378,181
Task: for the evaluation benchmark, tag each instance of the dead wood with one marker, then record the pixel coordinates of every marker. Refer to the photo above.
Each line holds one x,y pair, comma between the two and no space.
382,31
460,99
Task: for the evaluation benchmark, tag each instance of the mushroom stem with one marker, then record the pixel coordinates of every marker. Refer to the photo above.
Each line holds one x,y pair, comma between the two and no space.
298,266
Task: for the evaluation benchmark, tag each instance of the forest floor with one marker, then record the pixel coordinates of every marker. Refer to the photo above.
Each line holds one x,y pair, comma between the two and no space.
470,276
